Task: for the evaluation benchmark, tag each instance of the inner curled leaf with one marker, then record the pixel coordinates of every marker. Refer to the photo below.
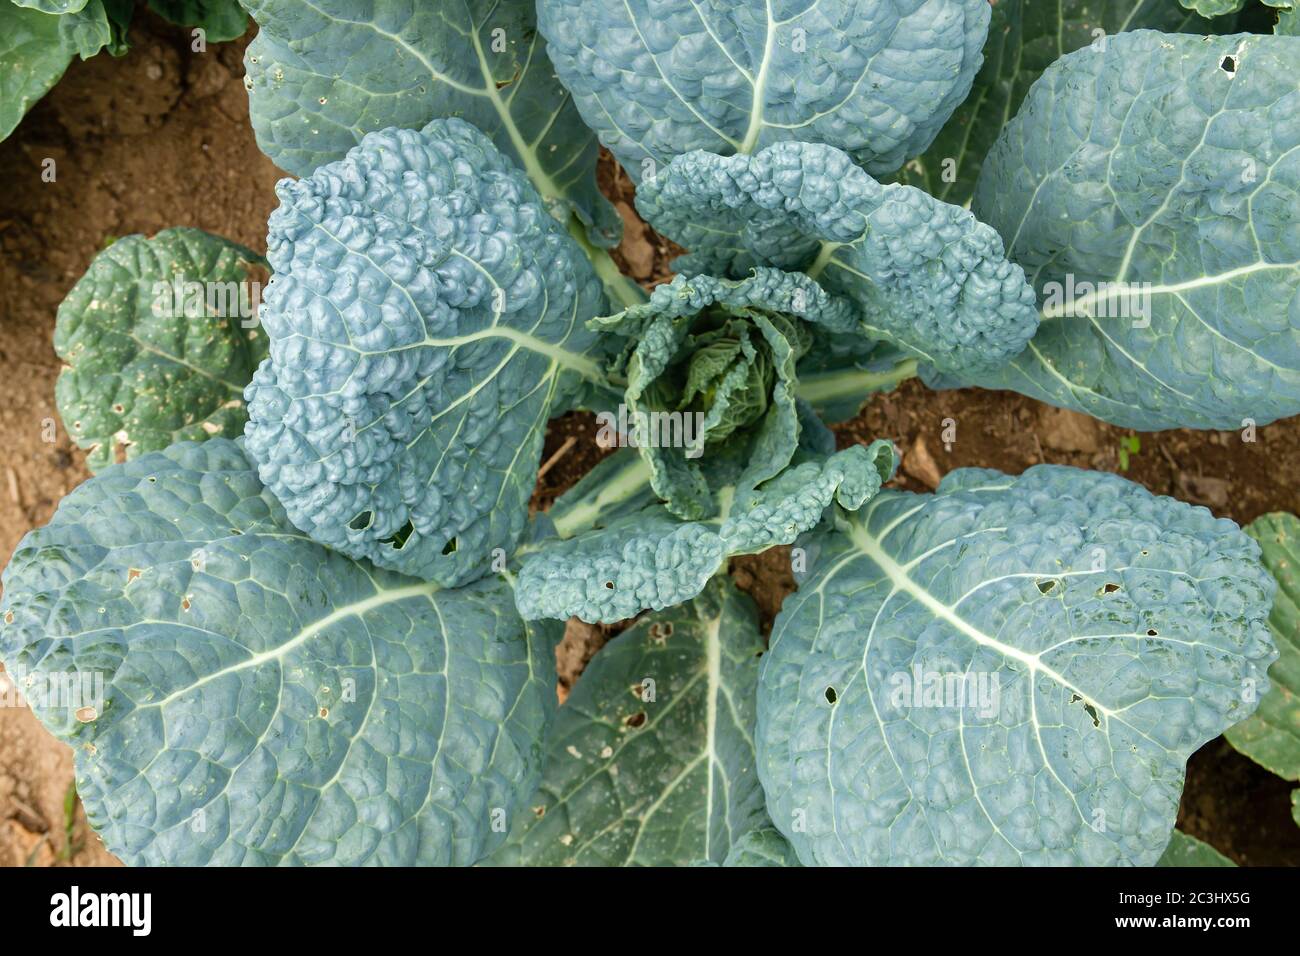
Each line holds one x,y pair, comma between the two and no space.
729,371
710,367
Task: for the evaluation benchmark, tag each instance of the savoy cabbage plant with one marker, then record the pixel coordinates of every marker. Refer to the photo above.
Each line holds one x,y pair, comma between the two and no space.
331,640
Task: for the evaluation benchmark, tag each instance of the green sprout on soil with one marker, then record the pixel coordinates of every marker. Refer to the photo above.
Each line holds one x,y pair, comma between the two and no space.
1129,445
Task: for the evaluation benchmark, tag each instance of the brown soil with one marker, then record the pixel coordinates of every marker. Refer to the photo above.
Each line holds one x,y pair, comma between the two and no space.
157,138
161,138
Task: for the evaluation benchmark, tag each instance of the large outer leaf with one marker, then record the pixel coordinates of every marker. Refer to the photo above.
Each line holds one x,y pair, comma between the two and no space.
650,559
138,368
1025,37
426,318
658,79
322,74
666,781
1271,736
1121,630
265,699
921,274
31,61
1150,162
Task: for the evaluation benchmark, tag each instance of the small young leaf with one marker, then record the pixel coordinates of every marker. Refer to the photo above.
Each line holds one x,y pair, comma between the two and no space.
159,339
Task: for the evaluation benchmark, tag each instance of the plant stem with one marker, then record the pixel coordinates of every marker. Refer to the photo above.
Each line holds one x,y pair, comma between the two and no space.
826,387
823,257
622,291
624,476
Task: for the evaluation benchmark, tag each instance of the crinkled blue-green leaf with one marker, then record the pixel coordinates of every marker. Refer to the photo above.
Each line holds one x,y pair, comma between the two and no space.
250,697
919,273
650,559
877,78
323,73
426,317
1013,670
1150,189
